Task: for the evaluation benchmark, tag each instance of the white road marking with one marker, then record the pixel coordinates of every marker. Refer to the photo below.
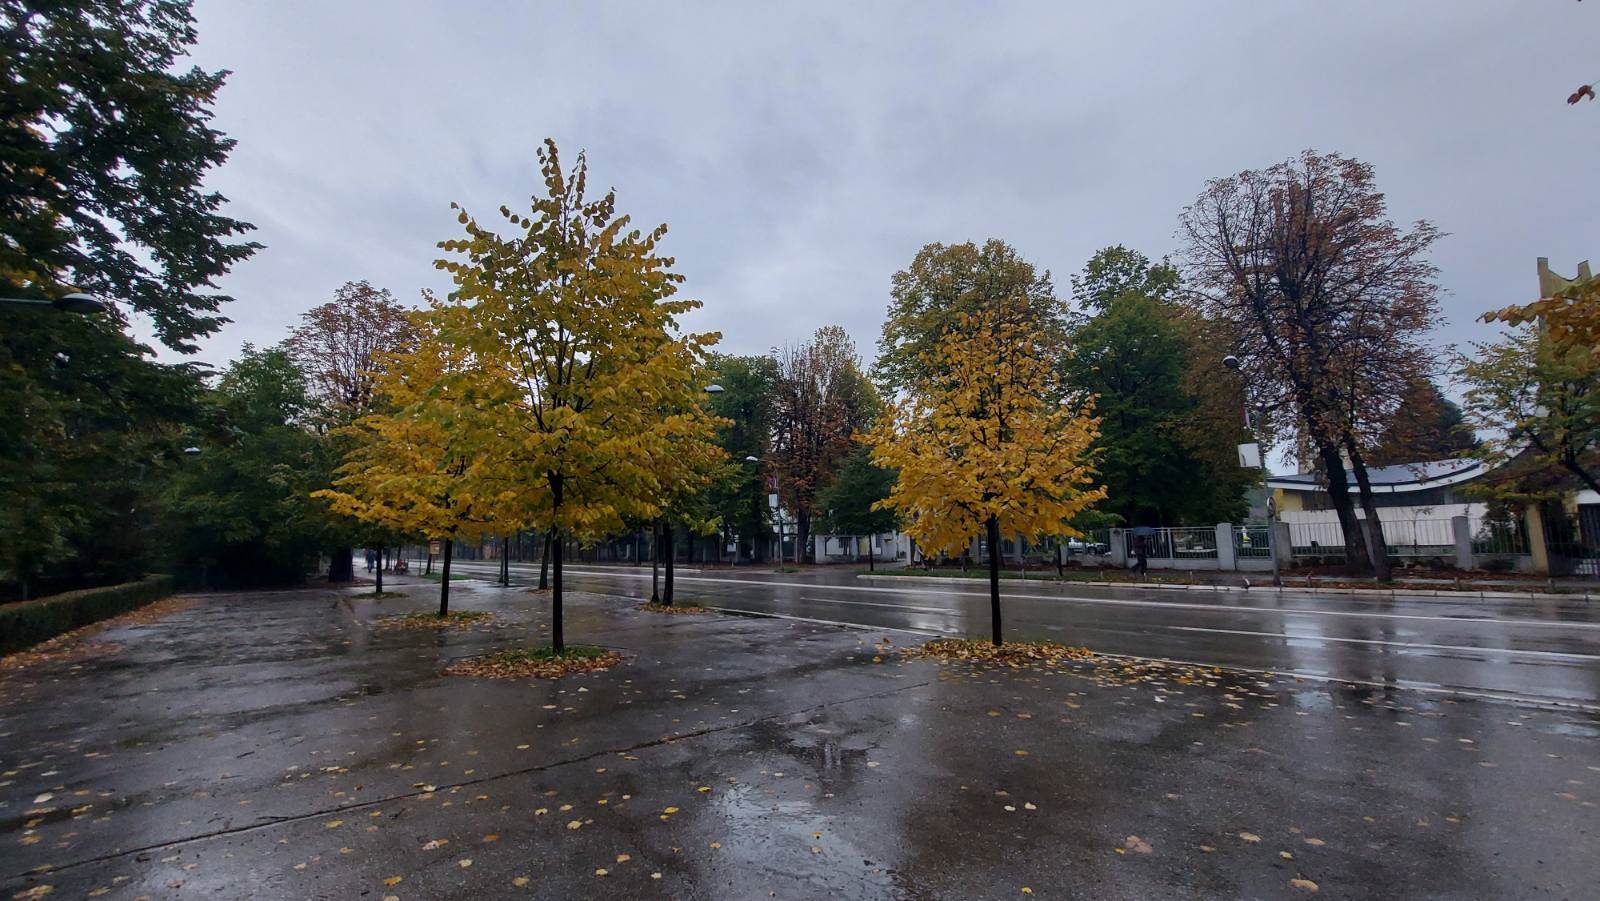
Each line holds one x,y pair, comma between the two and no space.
1116,602
1552,655
1406,684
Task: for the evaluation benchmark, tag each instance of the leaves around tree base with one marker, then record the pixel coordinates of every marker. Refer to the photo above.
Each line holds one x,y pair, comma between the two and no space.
1013,654
536,663
674,609
425,619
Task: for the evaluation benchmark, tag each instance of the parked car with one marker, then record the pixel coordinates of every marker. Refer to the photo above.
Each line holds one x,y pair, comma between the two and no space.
1080,546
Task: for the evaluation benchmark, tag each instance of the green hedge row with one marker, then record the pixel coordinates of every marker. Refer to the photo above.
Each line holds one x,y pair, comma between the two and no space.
26,623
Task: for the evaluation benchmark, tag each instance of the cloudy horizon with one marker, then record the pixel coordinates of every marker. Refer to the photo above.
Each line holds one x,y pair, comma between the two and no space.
801,157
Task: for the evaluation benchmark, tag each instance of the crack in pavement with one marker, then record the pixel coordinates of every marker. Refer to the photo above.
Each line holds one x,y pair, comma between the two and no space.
295,818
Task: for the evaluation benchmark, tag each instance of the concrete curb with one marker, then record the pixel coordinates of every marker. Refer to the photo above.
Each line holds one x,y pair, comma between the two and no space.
1391,592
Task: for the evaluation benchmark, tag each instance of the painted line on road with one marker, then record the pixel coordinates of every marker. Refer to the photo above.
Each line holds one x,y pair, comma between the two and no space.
1404,684
1551,655
1116,602
1317,638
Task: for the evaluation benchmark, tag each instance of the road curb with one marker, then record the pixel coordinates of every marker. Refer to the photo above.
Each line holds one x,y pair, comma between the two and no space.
1392,592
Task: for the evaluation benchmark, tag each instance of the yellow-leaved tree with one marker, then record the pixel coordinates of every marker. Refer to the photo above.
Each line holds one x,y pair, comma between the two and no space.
584,386
982,442
411,467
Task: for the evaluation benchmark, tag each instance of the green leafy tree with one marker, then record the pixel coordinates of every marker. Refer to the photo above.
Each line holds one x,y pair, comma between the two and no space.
1538,401
1117,270
1170,414
945,282
239,512
1134,357
852,504
105,146
95,425
739,497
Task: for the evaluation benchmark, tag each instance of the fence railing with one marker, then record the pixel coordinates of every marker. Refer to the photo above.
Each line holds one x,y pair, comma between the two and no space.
1252,541
1177,543
1412,538
1502,537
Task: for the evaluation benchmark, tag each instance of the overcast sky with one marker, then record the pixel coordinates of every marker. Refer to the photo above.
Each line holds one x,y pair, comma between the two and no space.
801,157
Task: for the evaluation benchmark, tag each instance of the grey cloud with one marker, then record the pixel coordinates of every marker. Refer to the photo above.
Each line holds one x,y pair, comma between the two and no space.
802,155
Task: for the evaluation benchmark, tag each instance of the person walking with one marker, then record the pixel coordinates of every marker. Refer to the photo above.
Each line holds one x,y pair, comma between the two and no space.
1141,555
372,559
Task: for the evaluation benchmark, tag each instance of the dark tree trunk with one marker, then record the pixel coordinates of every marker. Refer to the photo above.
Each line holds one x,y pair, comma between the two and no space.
994,577
655,563
340,566
378,589
505,564
872,557
1377,549
1356,561
670,541
444,578
802,534
557,640
544,563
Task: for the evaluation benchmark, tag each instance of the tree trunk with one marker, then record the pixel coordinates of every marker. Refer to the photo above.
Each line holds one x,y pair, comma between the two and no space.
872,562
655,563
1377,550
340,567
505,565
444,578
557,640
670,541
993,527
378,589
1356,561
802,533
544,562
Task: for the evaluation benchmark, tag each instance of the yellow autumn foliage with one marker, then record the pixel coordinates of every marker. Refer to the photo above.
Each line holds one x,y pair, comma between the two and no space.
983,436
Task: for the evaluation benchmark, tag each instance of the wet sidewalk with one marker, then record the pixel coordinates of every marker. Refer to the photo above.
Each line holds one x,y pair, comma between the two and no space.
285,745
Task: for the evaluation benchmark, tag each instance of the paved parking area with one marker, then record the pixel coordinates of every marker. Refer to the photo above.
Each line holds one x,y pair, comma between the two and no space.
285,745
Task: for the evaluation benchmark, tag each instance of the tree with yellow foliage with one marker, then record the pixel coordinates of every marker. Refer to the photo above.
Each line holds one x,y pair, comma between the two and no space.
584,387
411,469
983,442
1570,316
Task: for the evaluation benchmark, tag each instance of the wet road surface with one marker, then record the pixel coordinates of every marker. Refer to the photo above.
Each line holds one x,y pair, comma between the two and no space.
1545,650
287,745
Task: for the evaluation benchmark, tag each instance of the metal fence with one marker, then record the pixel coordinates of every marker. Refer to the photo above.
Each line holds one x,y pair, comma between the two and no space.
1316,539
1252,541
1412,538
1177,543
1501,537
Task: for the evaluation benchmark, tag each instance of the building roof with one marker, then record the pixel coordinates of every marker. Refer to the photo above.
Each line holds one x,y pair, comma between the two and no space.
1393,479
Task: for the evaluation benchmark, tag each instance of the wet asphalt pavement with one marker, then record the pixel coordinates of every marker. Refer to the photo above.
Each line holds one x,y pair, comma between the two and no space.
280,745
1545,650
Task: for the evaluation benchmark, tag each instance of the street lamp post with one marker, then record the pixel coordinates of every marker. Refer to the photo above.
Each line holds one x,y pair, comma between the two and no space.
68,303
1233,363
735,559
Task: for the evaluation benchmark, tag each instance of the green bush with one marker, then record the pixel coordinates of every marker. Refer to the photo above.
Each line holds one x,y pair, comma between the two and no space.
26,623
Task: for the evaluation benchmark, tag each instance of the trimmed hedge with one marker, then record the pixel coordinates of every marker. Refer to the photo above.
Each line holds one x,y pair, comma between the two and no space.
26,623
